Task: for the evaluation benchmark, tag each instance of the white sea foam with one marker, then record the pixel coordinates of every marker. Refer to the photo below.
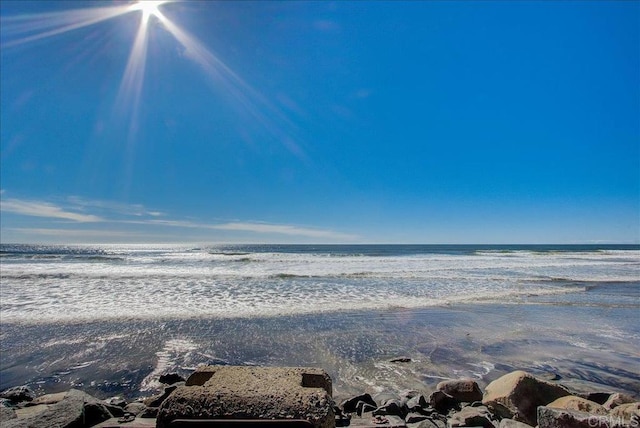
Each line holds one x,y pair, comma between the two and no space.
178,282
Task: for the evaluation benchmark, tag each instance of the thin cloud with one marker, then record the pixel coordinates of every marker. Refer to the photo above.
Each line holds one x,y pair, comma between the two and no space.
261,228
45,209
82,210
76,233
137,210
283,230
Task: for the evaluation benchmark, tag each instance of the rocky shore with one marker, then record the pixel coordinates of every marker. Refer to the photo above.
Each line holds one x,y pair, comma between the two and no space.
515,400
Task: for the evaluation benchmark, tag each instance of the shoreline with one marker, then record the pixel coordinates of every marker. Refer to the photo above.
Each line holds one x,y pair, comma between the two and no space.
480,341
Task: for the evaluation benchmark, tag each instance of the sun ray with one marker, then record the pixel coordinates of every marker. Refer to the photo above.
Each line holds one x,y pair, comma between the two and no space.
29,28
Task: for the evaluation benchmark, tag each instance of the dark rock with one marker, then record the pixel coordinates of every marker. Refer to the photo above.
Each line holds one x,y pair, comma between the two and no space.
382,397
116,411
171,378
472,417
96,412
510,423
76,409
149,412
392,407
597,397
443,403
18,394
350,405
363,407
413,418
417,401
400,360
466,390
560,418
157,400
517,395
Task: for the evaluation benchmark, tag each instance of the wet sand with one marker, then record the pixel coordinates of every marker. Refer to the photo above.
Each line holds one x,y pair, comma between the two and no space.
587,347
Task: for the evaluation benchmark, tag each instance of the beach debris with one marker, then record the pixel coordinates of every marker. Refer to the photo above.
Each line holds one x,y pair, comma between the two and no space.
400,360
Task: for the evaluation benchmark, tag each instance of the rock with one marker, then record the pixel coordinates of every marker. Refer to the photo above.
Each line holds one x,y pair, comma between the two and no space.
466,390
388,421
472,417
48,399
627,411
572,402
617,399
76,409
561,418
510,423
442,402
413,418
518,394
171,378
7,413
18,394
382,397
363,407
351,405
597,397
419,404
149,412
157,400
400,360
391,407
116,401
135,408
428,423
241,392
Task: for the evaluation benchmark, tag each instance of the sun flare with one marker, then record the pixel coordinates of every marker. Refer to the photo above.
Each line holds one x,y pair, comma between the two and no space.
148,7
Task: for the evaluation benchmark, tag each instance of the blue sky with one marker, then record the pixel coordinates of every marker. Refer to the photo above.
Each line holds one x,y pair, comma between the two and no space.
404,122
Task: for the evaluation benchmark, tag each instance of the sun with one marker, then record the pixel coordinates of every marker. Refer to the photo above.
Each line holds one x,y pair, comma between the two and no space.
148,7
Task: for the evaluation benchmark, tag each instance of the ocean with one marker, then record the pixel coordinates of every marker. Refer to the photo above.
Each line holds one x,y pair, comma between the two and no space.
110,319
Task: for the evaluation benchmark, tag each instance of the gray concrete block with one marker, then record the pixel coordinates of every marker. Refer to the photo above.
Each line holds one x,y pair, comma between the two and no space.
267,393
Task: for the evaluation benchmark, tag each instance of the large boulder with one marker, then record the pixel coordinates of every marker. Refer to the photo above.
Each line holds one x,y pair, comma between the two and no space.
464,390
572,402
75,409
617,399
517,396
629,412
561,418
228,392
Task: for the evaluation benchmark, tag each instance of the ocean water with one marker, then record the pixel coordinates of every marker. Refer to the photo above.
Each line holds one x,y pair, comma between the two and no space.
111,318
